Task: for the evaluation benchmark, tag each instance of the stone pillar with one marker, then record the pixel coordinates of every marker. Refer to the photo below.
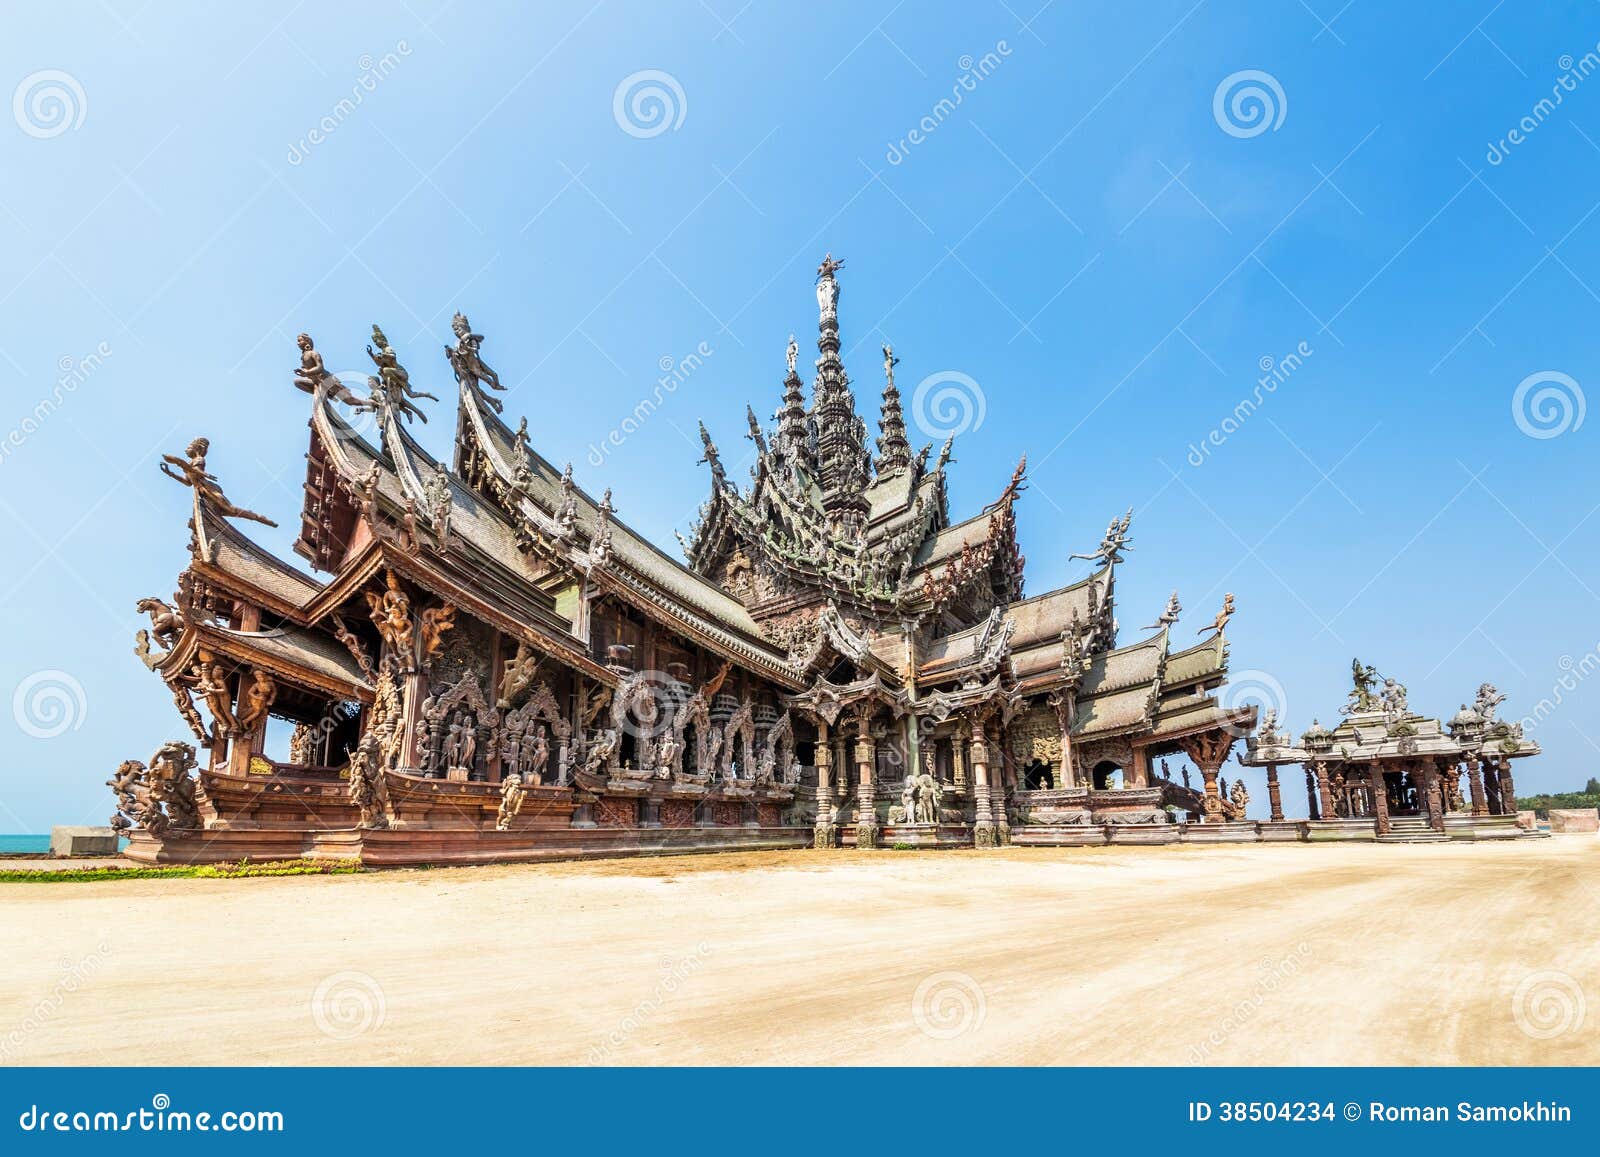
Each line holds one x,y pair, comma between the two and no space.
1380,800
1475,785
1274,794
866,791
958,760
984,832
1491,787
825,834
1313,806
1508,791
1431,793
1325,792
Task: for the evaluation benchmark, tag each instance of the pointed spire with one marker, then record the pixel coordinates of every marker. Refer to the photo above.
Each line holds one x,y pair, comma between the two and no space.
793,437
894,452
842,457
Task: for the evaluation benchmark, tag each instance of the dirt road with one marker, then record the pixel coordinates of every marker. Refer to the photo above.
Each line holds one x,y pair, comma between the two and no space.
1252,955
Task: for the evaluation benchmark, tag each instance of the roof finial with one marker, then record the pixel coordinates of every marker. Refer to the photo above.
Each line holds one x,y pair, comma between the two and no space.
894,452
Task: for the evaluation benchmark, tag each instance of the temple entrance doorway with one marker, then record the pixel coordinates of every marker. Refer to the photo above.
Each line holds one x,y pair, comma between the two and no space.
1108,776
1037,776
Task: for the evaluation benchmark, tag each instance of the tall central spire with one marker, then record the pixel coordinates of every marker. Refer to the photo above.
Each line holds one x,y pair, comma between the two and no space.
842,458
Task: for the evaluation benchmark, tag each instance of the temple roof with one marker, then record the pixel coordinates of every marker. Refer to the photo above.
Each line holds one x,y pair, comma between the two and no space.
221,546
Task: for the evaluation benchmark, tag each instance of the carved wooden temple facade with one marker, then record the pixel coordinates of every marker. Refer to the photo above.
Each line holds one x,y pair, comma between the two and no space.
493,666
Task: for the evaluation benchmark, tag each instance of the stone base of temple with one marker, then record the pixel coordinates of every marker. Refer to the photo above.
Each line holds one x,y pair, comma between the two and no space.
1244,832
1328,831
1483,828
825,836
412,847
926,836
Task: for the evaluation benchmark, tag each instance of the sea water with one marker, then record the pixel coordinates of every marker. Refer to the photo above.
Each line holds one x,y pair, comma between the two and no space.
15,845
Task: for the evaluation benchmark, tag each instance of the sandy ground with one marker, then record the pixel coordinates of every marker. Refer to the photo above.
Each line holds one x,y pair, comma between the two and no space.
1457,954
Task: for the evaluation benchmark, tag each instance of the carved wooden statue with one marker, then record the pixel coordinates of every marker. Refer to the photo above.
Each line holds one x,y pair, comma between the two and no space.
191,471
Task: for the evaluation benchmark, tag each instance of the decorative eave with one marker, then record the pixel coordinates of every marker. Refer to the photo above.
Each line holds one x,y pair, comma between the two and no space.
828,700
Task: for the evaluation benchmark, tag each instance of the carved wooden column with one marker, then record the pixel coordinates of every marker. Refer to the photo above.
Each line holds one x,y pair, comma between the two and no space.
824,834
1380,800
1325,791
958,760
1491,787
1313,805
1508,791
1431,796
1274,795
866,789
1209,751
1475,785
984,832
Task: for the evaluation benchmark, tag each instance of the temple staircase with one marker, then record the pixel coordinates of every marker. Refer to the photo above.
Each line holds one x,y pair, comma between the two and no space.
1412,830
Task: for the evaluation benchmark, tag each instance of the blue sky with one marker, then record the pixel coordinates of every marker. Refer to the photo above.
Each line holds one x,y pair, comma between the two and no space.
1084,235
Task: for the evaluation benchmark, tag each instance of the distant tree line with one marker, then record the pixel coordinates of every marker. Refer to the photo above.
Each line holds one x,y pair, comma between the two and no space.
1540,805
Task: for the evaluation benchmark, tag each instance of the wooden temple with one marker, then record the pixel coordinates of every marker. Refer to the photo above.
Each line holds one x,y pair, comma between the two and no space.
491,665
1387,773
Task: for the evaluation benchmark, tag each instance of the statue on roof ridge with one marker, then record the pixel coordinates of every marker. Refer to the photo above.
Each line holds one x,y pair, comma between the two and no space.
392,386
1114,542
712,458
466,360
312,374
828,267
1362,680
191,471
1220,623
1169,616
792,354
